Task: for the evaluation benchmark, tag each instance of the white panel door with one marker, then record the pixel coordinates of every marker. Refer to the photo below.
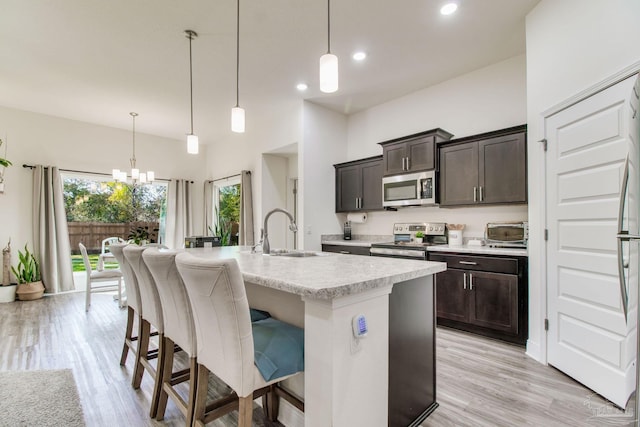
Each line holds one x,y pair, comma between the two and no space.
589,338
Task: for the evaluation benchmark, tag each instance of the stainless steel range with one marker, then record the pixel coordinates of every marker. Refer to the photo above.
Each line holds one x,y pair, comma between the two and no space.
405,243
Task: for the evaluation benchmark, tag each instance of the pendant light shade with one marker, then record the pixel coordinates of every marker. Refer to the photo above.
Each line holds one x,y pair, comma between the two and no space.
192,144
237,119
237,113
192,140
328,73
328,62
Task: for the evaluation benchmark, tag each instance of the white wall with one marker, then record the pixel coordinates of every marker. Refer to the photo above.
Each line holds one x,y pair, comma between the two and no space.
267,129
324,144
39,139
571,46
274,186
484,100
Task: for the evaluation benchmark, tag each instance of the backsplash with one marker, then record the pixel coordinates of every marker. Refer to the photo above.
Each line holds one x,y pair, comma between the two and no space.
474,218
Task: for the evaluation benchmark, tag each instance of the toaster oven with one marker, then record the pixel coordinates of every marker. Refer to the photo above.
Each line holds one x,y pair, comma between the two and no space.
507,234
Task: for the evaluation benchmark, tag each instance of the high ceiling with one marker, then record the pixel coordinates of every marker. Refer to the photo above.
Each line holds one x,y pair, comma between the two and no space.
97,60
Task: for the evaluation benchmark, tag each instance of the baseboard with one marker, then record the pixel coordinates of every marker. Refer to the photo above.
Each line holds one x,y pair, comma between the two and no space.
288,414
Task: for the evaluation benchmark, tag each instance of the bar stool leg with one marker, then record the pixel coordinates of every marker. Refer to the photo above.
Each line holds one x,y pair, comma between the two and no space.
144,332
128,334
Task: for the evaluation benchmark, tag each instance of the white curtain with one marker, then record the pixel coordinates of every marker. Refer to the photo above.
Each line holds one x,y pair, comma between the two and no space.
50,233
246,210
179,213
208,207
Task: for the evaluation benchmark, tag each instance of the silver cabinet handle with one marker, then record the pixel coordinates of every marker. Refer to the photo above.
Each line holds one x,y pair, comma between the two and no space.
345,252
356,203
475,194
408,164
465,281
403,163
481,195
470,281
623,235
468,262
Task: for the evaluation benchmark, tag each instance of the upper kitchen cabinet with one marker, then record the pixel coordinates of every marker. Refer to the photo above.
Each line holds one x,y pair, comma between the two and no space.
485,169
359,185
412,153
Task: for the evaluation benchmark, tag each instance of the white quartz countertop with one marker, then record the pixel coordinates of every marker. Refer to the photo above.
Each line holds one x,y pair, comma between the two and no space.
327,276
485,250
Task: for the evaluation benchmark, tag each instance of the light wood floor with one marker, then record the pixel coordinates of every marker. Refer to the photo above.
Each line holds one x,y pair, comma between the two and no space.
481,382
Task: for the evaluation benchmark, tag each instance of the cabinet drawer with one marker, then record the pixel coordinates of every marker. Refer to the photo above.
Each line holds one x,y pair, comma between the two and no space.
346,249
478,263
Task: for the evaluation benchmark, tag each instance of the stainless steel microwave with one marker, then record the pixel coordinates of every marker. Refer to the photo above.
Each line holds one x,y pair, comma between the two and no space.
415,189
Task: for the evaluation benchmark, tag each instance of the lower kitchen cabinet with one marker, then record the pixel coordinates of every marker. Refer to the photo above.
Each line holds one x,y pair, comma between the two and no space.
486,295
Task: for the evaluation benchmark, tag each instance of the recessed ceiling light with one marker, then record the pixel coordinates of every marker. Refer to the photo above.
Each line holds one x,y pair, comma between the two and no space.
449,8
301,86
359,56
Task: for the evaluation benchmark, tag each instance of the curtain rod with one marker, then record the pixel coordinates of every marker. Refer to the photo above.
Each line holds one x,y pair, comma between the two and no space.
227,177
88,173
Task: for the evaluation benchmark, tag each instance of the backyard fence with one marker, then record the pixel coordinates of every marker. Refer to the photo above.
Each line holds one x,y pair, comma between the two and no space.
91,234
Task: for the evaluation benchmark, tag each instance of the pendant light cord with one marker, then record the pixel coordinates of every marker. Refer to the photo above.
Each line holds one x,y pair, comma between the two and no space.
238,55
133,158
328,26
190,35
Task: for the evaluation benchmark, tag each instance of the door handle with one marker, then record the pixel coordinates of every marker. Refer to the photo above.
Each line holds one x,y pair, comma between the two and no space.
481,195
475,194
408,164
465,281
404,159
470,281
623,235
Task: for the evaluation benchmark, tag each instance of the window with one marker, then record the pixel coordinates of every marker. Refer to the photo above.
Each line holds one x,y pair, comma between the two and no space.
97,208
226,210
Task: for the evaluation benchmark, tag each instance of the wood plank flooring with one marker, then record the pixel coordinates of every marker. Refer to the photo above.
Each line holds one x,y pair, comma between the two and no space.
481,382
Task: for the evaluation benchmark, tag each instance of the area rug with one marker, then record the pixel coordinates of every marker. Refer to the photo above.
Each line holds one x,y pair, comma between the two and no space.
39,398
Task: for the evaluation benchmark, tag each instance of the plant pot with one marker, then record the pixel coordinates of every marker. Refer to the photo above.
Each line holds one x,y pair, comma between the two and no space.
30,291
8,293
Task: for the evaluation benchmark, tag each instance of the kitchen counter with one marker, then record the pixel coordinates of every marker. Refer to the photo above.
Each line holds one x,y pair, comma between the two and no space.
326,276
364,240
347,381
483,250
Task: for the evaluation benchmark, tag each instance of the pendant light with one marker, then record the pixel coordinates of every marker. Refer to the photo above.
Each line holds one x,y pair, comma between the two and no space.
328,62
136,175
192,140
237,113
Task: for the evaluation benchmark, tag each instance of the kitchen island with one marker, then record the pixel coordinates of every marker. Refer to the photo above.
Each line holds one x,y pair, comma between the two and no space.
347,380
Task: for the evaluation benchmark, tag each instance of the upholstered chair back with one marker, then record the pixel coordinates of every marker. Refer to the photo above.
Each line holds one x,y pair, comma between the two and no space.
176,308
130,280
149,298
222,320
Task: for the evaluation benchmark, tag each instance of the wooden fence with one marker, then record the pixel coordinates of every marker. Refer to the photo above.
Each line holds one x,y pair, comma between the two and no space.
91,234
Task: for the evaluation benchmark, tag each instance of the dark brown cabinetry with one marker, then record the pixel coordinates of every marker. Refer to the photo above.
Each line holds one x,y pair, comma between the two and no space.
484,169
359,185
412,153
346,249
483,294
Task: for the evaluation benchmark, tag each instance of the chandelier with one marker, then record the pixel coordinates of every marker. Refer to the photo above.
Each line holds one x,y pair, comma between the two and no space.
136,175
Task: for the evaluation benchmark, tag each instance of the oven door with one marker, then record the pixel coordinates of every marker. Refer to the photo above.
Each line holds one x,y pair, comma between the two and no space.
416,189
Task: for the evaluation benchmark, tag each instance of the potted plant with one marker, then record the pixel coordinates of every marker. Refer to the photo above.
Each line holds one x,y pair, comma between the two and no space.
4,163
419,236
139,235
27,272
8,289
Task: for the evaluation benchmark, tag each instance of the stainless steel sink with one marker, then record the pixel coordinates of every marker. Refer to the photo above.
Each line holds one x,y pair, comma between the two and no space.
294,253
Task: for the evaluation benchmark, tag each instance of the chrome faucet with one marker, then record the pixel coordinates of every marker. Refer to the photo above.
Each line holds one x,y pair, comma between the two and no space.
265,239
